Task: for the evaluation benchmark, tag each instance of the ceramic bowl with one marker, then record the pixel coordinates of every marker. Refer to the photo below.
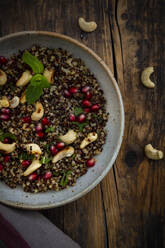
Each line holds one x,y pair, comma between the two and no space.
17,197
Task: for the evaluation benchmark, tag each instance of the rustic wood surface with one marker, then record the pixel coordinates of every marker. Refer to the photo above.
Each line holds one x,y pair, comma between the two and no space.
127,209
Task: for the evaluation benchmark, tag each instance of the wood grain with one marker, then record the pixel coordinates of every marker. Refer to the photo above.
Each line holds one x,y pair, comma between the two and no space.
127,209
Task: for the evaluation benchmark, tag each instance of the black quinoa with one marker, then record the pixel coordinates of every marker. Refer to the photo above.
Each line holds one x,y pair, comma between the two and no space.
69,72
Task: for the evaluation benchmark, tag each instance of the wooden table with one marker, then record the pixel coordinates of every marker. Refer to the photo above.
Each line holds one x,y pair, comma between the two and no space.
127,209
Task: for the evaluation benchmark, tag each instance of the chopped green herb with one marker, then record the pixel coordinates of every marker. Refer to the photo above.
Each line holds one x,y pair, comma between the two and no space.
45,160
81,125
95,115
74,155
64,179
7,135
49,129
26,156
33,62
78,111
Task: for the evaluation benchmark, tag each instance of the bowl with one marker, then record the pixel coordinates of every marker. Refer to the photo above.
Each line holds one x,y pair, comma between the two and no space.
115,126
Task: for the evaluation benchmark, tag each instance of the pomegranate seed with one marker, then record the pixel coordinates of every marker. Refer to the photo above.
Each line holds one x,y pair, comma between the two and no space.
48,175
86,103
26,163
53,150
6,141
26,119
73,90
39,127
45,121
5,111
32,177
85,89
88,95
3,60
1,167
60,145
95,107
72,117
6,158
67,93
87,110
40,134
4,117
81,118
39,178
91,162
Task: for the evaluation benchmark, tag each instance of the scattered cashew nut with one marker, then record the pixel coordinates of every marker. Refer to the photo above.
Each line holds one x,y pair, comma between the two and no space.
33,148
33,167
39,112
66,152
87,26
14,102
89,139
7,148
152,153
3,77
145,77
69,137
24,79
49,74
23,98
4,102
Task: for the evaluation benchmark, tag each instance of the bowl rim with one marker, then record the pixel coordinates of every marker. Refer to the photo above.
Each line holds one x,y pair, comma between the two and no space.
110,164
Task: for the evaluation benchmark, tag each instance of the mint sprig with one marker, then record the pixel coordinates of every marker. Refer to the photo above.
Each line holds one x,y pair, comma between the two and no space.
33,62
7,135
64,179
78,111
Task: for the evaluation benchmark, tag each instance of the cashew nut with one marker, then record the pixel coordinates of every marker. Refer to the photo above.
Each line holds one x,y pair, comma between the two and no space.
87,26
34,166
89,139
7,148
67,152
3,77
145,77
24,79
69,137
39,112
152,153
23,98
4,103
14,102
49,74
33,148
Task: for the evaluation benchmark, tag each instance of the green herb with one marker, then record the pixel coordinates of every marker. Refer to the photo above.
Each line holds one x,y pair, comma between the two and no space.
35,88
56,174
78,111
49,129
81,125
7,135
74,155
33,62
64,179
26,156
95,115
45,160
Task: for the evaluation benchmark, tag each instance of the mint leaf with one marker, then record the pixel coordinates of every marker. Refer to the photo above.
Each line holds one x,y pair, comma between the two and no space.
33,93
78,111
26,156
49,129
39,81
64,179
81,125
7,135
45,160
33,62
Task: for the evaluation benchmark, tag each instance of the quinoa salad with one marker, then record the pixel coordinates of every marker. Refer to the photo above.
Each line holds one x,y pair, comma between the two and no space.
52,119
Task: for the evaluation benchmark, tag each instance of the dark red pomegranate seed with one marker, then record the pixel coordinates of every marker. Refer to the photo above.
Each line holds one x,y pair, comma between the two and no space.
40,134
32,177
1,167
3,60
60,145
81,118
45,121
86,103
5,111
88,95
6,141
26,163
26,119
85,89
67,93
87,110
6,158
72,117
73,90
91,162
95,107
48,175
53,150
4,117
39,127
